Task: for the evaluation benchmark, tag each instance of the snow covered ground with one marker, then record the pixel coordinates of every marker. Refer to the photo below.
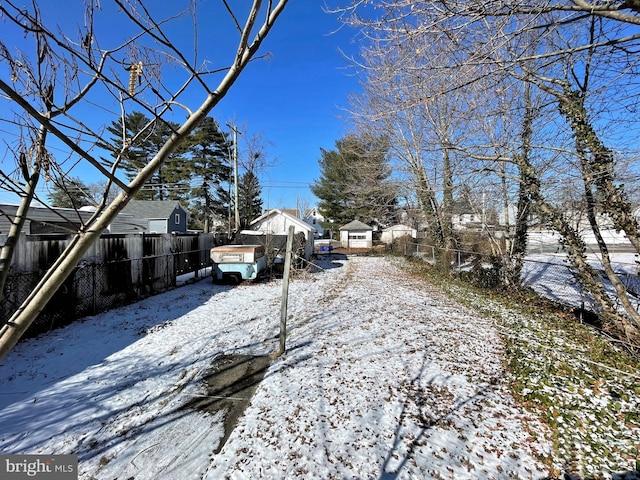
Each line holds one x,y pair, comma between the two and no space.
383,378
550,276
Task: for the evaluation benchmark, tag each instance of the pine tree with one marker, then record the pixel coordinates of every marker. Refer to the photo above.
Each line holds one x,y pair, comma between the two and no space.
249,201
69,193
354,182
143,139
332,186
211,173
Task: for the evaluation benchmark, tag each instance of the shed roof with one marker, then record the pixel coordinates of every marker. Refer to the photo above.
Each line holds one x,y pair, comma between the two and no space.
355,226
397,227
275,212
152,208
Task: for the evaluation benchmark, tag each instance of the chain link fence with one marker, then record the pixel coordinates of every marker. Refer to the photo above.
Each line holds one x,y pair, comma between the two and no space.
548,274
552,277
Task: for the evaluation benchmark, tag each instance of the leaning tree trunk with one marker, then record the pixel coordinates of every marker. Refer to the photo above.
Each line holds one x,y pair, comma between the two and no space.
625,327
598,166
17,224
596,162
586,276
86,237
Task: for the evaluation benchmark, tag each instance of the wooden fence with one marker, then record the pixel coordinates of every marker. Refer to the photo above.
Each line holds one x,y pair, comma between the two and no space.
118,269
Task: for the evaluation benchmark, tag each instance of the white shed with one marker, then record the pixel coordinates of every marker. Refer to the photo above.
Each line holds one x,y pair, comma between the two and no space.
356,235
277,222
396,231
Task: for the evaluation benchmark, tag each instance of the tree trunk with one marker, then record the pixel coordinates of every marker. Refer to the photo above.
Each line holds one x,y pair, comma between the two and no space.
596,163
585,274
17,224
84,239
447,201
599,163
519,248
629,328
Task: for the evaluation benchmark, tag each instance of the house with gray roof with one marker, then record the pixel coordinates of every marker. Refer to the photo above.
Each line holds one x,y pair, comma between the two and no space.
356,235
44,220
277,222
157,216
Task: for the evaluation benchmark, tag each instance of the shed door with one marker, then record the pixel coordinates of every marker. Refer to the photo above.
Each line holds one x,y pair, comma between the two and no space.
158,226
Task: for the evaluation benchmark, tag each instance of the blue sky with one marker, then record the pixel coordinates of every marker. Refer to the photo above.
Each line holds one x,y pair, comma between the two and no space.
295,99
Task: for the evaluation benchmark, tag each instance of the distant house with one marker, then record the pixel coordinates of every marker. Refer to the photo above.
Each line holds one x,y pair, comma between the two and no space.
389,234
313,217
509,216
157,216
467,221
356,235
42,220
277,222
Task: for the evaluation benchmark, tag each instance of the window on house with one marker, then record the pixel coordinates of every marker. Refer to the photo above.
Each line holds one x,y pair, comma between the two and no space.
176,219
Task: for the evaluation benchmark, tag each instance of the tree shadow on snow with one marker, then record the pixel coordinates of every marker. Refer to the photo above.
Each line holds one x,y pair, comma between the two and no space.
36,363
419,396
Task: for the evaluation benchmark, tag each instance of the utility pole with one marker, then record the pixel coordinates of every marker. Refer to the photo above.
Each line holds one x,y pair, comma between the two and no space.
235,174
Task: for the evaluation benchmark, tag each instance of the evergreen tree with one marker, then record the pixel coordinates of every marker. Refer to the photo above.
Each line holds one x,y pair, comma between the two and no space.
332,186
354,182
223,207
249,201
171,180
211,173
69,193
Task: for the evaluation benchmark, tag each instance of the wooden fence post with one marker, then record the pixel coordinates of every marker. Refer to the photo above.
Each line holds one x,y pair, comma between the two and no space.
285,290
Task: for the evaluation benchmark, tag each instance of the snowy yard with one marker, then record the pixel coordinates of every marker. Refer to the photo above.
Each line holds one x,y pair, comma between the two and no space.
550,276
383,378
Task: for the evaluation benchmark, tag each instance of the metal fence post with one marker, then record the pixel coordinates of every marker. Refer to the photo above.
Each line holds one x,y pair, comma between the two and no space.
94,293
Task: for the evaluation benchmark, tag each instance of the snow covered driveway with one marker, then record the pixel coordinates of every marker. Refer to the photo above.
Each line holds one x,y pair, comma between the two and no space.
383,378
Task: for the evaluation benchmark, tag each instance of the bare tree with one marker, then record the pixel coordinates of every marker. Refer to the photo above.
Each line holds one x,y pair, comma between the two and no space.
255,156
303,207
572,81
577,54
137,73
401,98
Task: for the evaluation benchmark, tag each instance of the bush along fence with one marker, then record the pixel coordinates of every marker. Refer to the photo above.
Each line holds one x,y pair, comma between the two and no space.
119,269
549,275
